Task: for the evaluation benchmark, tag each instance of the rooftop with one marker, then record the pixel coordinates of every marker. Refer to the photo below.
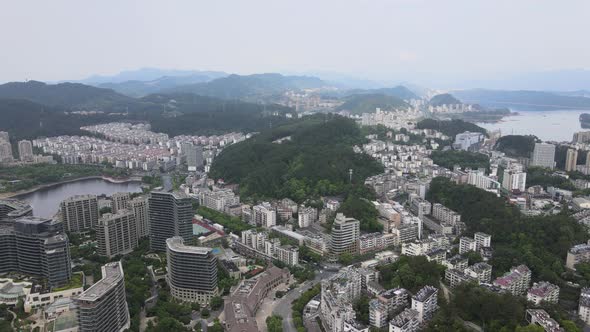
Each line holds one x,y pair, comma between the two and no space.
177,244
112,273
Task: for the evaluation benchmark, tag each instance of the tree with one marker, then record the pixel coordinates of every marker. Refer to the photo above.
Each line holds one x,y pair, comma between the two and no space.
530,328
274,323
205,313
216,326
216,302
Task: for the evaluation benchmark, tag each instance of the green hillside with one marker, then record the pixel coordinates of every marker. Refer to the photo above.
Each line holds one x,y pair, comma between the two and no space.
367,103
444,99
316,161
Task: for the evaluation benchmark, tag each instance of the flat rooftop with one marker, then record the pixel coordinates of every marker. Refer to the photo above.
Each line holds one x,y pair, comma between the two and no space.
112,273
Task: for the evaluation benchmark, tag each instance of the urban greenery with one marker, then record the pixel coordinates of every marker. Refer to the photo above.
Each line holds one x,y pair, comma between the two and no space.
313,160
299,304
539,242
450,158
516,145
231,224
450,127
274,323
411,273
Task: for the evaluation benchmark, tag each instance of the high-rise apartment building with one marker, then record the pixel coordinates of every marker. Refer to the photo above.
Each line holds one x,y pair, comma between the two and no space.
445,214
571,160
36,246
584,305
79,213
264,215
116,233
5,152
192,271
170,214
139,206
11,209
425,302
194,156
514,180
544,155
345,235
120,201
581,137
25,150
4,136
103,306
306,216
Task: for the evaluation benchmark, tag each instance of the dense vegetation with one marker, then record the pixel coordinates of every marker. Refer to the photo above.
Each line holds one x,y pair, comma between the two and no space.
444,99
231,224
450,158
450,128
367,103
314,162
411,273
32,175
35,109
544,177
299,304
250,87
516,145
539,242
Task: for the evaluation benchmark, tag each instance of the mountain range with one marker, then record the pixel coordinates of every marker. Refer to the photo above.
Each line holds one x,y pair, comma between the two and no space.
522,99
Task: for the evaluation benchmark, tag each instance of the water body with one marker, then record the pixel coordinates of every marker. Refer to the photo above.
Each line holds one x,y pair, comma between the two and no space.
45,202
547,125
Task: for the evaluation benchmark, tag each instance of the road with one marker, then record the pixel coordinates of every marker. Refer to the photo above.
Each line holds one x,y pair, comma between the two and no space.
283,307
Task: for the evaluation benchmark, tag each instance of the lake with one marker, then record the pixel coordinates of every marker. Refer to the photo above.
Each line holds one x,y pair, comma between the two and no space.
45,202
547,125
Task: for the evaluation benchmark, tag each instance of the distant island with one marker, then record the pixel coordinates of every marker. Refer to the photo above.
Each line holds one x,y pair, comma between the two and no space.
585,120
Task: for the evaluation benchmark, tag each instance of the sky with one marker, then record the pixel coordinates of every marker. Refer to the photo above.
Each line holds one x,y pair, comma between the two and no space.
396,40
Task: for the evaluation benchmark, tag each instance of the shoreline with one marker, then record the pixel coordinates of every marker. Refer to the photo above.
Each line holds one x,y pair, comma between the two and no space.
54,184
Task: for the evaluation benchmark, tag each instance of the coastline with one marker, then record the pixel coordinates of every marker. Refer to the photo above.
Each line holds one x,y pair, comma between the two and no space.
54,184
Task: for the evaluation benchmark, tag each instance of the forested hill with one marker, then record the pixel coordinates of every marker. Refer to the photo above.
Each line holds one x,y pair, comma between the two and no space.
70,96
450,127
315,161
250,87
444,99
367,103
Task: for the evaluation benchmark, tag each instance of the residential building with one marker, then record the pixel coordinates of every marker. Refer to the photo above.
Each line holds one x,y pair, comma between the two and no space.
337,297
4,136
139,206
514,179
38,247
376,241
241,306
103,306
482,240
468,141
544,155
170,214
456,277
456,262
192,271
120,201
584,305
345,234
571,160
418,247
11,209
287,254
116,233
25,150
306,216
377,314
407,321
194,156
480,180
79,213
577,254
6,152
425,302
264,215
445,214
581,137
466,245
541,317
482,272
218,199
516,281
419,206
543,291
394,299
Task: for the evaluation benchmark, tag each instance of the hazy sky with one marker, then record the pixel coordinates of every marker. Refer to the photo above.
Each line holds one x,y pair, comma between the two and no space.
386,40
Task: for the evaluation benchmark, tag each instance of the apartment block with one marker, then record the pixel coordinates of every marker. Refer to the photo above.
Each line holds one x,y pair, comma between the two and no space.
425,302
577,254
407,321
79,213
516,281
543,292
116,233
445,214
120,201
139,206
170,214
192,271
103,306
584,305
264,215
345,234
